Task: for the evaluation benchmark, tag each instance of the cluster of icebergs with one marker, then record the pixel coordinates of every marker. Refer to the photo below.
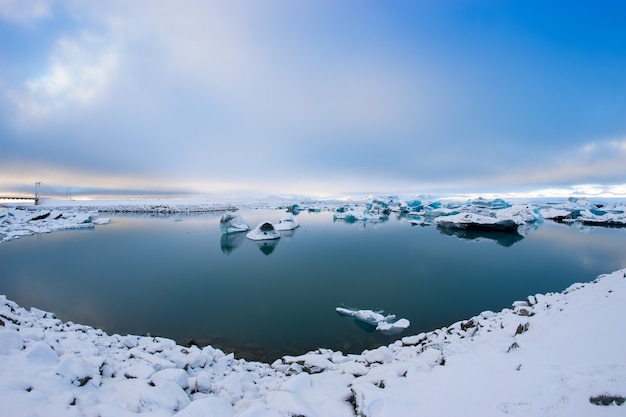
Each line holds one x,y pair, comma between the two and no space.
233,223
266,234
527,360
483,215
583,211
15,223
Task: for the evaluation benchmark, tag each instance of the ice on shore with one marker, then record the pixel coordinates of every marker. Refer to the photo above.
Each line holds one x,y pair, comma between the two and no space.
263,231
17,222
384,323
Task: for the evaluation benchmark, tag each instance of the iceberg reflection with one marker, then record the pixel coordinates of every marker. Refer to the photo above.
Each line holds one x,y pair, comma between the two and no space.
505,239
267,246
230,242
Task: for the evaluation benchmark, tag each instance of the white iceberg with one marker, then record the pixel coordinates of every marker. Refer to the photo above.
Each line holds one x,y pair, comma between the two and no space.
287,222
232,223
376,318
263,231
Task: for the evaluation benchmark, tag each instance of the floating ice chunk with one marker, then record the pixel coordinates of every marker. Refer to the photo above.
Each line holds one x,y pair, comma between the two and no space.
382,323
390,327
263,231
232,223
471,221
287,222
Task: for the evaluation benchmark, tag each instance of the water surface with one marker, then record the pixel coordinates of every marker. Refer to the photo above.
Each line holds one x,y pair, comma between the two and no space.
177,277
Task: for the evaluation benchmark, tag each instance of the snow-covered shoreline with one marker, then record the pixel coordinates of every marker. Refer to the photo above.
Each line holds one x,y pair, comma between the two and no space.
551,354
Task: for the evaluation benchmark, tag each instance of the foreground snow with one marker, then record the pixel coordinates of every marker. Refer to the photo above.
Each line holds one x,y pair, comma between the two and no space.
557,354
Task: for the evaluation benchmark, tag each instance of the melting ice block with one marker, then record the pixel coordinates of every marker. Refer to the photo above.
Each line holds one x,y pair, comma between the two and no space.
383,323
232,223
287,222
264,231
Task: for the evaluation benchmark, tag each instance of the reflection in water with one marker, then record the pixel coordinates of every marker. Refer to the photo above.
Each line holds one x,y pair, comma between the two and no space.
267,246
505,239
231,241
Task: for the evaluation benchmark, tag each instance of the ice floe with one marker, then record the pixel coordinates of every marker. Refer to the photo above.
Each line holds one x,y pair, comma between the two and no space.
287,222
232,223
384,323
263,231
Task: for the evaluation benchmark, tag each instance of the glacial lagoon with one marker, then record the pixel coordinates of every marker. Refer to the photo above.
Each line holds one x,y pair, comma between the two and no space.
178,277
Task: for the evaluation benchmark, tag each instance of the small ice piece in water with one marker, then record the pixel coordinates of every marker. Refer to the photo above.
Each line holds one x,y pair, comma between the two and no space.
287,222
232,223
263,231
385,324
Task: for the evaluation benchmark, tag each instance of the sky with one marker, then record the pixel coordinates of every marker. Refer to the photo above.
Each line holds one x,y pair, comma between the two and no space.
312,97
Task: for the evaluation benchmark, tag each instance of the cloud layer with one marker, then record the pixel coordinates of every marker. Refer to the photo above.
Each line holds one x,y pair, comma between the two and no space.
312,97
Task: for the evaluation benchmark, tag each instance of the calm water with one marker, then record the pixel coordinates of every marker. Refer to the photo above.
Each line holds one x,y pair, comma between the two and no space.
176,277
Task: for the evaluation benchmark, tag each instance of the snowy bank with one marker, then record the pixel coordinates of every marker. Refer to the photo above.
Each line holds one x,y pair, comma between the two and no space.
15,223
558,354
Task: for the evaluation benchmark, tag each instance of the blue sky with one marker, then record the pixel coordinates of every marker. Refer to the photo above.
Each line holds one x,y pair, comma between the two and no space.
313,97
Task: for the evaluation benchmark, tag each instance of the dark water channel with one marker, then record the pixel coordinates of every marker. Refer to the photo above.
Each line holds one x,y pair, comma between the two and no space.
177,277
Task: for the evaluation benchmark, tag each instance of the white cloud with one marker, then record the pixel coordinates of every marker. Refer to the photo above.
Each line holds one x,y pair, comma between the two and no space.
79,72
